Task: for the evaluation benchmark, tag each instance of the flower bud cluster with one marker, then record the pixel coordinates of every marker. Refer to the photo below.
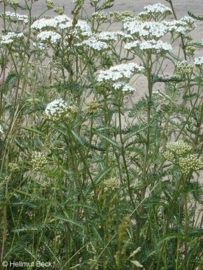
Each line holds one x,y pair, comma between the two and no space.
100,16
168,155
38,160
13,166
50,4
121,16
111,184
179,152
190,163
183,68
179,147
14,3
91,107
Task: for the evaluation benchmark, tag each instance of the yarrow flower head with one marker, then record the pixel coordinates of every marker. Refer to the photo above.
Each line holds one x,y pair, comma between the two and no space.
108,36
56,110
49,36
123,86
183,26
82,28
150,45
15,17
10,37
62,22
38,160
119,72
146,30
198,61
157,8
93,43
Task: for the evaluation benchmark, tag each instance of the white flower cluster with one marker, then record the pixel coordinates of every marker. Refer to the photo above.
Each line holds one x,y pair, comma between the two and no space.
146,30
49,36
62,22
183,26
119,72
157,8
122,85
158,46
56,109
83,28
156,11
10,37
108,36
15,17
198,61
93,43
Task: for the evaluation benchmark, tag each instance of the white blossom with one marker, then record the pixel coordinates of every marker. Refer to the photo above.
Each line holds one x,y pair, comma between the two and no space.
108,36
157,9
147,30
47,36
118,72
123,86
198,61
14,17
43,23
149,45
61,21
10,37
56,109
93,43
182,26
84,28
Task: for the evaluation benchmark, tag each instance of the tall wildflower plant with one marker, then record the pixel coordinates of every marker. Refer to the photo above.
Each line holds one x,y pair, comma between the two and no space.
92,177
